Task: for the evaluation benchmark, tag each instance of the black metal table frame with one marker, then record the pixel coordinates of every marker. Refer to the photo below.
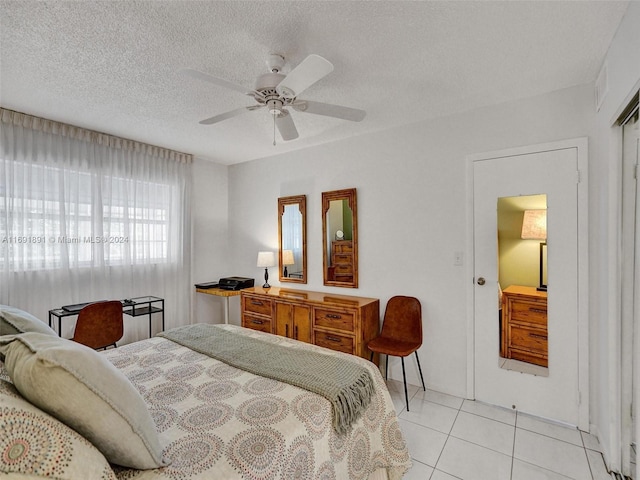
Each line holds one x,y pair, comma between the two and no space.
135,308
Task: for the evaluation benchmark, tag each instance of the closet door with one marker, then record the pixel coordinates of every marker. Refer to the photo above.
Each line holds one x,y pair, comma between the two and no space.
552,172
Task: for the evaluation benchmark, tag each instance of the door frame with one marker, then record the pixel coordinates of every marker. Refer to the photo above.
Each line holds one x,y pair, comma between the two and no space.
581,146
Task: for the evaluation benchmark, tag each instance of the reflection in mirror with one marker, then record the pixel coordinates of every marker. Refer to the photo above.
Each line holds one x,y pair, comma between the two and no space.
522,284
292,235
340,238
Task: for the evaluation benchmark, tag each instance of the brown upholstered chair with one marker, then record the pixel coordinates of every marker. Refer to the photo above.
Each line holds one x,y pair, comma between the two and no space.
401,334
99,324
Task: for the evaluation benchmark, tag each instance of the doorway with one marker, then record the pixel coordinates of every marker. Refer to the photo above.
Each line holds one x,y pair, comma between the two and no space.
558,172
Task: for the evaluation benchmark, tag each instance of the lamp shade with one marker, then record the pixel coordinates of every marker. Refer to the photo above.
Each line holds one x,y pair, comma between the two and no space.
534,225
266,259
287,257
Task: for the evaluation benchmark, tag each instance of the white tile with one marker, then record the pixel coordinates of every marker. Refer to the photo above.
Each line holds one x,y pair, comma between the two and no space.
489,411
591,441
429,414
469,461
425,444
527,471
396,390
560,432
598,468
524,367
440,398
483,431
440,475
551,454
419,471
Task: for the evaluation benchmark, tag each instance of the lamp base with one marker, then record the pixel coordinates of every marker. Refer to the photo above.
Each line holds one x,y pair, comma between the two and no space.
266,279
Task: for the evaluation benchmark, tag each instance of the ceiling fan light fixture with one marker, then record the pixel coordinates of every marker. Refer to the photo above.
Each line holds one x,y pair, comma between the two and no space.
274,106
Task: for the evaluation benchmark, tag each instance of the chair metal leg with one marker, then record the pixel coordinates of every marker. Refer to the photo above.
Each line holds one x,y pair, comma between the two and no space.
371,359
420,370
404,377
386,367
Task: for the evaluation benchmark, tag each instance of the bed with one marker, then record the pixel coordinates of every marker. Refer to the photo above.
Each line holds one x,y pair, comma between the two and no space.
212,420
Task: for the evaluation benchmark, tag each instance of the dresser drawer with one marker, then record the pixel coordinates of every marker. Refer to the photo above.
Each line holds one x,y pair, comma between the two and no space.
333,319
343,247
256,323
261,306
530,312
529,339
343,269
341,343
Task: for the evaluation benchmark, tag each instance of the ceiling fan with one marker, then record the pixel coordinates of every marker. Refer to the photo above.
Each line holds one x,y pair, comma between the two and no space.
278,92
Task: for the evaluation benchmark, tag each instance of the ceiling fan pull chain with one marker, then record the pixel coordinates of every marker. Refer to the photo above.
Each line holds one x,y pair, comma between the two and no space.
274,129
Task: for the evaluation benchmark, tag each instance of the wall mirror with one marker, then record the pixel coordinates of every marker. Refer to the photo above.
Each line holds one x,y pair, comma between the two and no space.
340,238
523,319
292,238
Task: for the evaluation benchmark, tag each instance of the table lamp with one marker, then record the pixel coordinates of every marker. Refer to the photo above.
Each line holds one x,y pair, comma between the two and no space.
534,227
287,259
266,260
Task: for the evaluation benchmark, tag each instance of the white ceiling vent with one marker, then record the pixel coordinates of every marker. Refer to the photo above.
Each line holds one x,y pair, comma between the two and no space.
602,86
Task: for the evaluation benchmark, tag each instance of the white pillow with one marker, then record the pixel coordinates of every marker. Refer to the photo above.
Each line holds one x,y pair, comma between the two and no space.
33,444
84,390
13,320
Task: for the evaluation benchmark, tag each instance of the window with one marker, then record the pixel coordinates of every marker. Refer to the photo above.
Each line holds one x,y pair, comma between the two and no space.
53,218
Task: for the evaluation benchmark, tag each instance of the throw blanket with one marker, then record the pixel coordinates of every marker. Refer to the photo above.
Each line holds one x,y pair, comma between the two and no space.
347,385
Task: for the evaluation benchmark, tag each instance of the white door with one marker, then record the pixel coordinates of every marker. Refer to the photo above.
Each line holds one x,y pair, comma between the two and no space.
630,290
554,172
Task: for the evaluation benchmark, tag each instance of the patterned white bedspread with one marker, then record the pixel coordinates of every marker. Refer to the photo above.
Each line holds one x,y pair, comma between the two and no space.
218,422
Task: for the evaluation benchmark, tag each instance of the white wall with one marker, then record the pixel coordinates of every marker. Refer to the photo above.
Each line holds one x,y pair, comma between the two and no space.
411,184
210,246
623,66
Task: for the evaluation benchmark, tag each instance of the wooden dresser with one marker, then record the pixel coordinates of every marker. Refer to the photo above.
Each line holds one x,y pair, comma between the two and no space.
339,322
342,260
524,325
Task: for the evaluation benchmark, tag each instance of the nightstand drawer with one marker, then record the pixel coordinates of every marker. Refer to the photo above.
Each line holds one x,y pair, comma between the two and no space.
333,341
531,312
261,306
333,319
529,339
256,323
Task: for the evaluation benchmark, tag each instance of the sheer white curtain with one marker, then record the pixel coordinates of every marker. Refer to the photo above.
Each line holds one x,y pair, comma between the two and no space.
86,216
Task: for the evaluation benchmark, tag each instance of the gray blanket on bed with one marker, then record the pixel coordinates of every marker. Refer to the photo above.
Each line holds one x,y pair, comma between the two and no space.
347,385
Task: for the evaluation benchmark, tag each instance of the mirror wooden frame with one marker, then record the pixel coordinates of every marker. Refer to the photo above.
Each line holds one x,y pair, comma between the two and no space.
330,277
301,202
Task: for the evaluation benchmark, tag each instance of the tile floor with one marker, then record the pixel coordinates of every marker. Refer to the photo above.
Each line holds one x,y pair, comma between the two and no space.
450,438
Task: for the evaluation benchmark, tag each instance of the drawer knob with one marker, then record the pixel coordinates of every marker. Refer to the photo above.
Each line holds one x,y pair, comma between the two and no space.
332,339
538,310
257,302
334,316
257,322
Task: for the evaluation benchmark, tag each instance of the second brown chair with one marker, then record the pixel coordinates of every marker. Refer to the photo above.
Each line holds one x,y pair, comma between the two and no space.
99,324
401,334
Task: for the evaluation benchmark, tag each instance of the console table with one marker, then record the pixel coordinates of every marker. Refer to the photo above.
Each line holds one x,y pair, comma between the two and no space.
221,292
134,307
339,322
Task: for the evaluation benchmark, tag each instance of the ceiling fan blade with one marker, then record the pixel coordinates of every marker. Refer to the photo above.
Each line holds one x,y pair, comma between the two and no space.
231,114
286,127
312,69
328,110
189,72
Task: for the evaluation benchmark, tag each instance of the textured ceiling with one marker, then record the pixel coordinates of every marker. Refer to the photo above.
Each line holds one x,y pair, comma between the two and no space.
113,66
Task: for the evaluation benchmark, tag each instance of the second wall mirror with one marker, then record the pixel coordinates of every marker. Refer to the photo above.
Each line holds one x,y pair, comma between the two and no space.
292,237
340,238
